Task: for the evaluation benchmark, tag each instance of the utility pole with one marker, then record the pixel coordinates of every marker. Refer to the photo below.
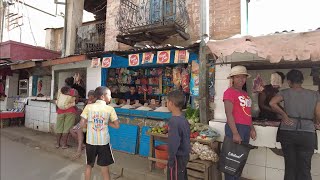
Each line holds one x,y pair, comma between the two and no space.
2,14
203,81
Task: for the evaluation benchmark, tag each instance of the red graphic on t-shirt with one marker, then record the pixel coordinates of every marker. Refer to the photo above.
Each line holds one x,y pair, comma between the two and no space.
245,103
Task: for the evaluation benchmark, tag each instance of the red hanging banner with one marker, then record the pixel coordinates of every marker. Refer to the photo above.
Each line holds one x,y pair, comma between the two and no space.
181,56
147,58
163,57
134,60
106,62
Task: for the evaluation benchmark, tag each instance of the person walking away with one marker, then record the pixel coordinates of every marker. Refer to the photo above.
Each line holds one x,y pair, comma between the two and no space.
297,133
79,133
66,116
97,117
178,138
237,105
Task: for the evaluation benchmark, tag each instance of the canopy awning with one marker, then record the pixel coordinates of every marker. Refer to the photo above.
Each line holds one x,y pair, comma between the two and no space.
276,47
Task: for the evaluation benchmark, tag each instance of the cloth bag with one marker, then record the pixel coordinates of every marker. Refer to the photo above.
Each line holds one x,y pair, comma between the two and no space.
65,101
233,157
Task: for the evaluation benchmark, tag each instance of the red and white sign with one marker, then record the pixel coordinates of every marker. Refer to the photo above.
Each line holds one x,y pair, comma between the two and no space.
181,56
163,57
134,60
95,62
106,62
147,58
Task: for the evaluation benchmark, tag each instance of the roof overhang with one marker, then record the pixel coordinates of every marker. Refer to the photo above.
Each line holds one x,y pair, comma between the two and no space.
65,60
275,48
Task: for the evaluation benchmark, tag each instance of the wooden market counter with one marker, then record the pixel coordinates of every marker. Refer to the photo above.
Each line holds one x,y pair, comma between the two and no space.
198,169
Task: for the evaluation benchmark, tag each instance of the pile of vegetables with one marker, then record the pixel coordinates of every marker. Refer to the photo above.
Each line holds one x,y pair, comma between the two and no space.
204,152
159,129
192,115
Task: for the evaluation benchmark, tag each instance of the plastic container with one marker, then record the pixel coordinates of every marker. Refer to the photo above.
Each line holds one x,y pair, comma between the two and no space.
161,152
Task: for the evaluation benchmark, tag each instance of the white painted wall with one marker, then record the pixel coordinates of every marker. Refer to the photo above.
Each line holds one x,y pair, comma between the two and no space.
93,75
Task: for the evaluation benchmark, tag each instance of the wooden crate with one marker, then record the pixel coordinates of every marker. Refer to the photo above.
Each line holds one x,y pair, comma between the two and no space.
203,170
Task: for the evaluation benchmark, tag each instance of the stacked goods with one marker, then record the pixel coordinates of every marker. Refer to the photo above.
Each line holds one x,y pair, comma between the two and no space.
204,152
159,129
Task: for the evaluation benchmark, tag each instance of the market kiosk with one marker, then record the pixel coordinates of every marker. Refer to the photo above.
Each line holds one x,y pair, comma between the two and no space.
153,74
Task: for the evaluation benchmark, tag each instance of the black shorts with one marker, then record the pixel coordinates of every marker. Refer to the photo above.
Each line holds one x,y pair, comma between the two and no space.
104,153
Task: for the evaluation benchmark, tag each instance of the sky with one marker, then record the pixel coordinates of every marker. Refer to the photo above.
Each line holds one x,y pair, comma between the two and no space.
269,16
265,17
34,22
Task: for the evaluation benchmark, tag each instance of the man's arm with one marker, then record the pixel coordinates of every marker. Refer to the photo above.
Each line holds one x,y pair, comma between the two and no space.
83,123
114,124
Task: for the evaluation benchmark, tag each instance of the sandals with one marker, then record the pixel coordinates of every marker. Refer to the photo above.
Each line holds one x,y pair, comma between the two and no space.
65,147
57,146
76,156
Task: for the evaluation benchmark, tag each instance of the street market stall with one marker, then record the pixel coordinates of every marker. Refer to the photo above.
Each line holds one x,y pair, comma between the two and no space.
150,75
263,56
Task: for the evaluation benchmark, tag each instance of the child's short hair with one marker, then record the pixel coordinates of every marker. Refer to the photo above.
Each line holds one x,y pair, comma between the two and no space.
65,90
178,98
91,93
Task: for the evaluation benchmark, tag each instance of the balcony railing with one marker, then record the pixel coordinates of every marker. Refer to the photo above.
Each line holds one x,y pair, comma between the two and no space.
90,38
153,20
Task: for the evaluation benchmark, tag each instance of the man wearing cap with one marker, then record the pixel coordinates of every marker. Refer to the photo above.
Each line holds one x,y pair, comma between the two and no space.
237,105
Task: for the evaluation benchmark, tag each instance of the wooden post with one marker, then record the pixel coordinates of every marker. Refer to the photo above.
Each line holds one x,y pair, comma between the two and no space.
203,81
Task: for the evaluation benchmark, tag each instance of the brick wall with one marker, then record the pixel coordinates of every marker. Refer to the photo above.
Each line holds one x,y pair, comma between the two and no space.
224,22
226,19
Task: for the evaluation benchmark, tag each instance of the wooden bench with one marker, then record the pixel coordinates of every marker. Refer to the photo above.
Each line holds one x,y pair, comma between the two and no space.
10,116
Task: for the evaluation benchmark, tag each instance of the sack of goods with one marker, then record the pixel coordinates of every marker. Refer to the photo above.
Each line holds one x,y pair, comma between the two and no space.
233,157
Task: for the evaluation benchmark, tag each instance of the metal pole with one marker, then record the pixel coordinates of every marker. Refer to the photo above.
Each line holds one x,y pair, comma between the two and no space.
2,14
64,44
203,81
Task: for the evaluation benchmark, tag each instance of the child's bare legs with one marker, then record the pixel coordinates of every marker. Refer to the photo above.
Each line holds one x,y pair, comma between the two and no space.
80,140
58,139
105,172
88,172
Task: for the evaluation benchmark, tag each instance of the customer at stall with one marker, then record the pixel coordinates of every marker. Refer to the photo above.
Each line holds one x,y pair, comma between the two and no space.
79,133
269,91
66,117
179,138
237,105
97,117
131,94
297,130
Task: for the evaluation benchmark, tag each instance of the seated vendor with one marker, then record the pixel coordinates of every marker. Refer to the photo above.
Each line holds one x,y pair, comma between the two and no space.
267,94
132,95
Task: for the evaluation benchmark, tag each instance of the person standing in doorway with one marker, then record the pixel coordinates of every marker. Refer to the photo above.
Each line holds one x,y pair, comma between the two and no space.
237,105
297,133
66,117
97,117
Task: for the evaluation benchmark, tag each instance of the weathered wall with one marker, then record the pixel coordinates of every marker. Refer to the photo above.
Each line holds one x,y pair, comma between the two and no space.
54,39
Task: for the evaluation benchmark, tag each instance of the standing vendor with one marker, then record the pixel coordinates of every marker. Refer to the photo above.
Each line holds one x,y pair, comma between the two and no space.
269,91
131,94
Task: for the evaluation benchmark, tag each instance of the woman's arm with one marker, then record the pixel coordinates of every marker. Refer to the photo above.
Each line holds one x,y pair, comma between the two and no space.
274,103
230,120
317,113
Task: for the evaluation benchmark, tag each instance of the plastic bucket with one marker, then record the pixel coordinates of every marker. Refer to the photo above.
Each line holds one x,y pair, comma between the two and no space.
161,152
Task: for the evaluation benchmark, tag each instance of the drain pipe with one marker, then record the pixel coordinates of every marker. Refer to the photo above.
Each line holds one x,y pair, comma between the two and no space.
64,45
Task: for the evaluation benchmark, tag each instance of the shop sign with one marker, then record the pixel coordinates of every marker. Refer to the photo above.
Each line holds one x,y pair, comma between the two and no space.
106,62
95,62
134,60
163,57
147,58
181,56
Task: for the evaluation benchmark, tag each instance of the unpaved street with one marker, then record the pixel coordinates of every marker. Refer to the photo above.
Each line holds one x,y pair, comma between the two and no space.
20,162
